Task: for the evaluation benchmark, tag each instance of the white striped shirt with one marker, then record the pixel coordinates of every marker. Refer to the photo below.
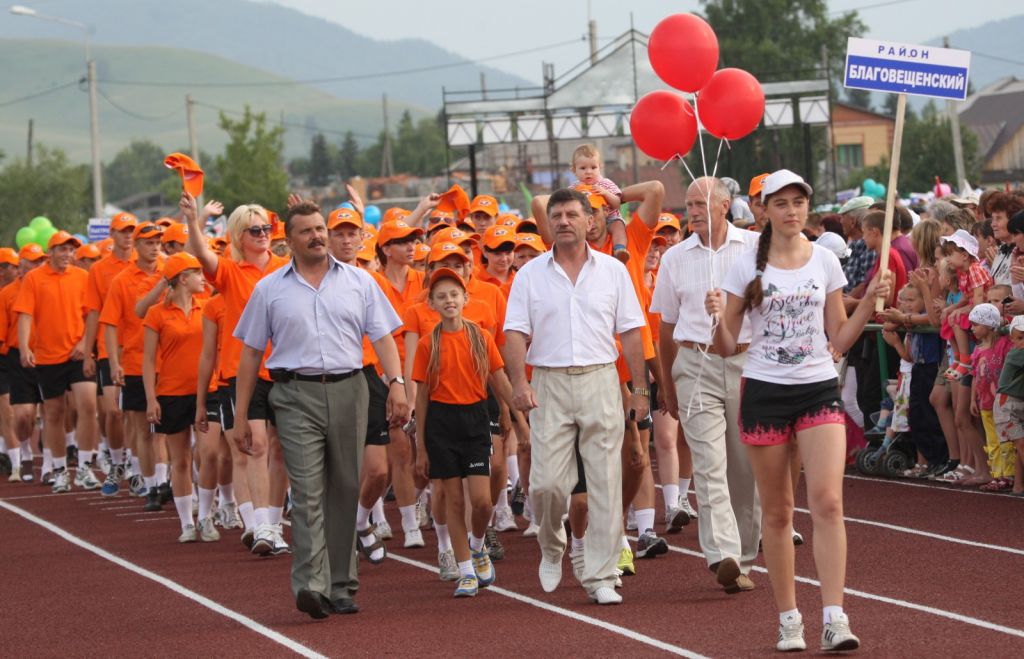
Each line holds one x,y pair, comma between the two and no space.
686,274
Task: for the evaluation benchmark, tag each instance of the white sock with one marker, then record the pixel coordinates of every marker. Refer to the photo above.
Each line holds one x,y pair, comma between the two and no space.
184,506
136,467
378,511
274,514
684,486
58,463
577,544
47,460
645,520
444,540
829,613
420,492
362,517
408,518
625,543
670,493
789,617
513,470
528,507
466,569
260,516
103,444
161,472
85,457
227,494
26,450
15,455
149,482
70,439
205,502
248,515
117,456
475,543
502,499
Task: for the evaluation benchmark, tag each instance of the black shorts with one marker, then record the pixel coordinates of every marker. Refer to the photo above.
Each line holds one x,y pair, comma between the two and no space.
55,380
377,418
5,378
177,414
103,378
493,412
23,382
458,440
133,394
259,404
225,407
772,413
581,482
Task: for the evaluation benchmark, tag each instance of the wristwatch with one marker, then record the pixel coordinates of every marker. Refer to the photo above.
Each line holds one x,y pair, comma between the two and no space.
642,391
398,378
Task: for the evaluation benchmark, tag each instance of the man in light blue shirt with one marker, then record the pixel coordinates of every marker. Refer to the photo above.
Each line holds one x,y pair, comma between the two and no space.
314,312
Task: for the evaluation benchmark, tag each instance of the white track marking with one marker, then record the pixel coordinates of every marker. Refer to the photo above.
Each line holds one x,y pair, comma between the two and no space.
551,608
173,586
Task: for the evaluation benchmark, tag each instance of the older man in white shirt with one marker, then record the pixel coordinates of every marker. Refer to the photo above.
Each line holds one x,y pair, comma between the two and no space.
706,397
569,304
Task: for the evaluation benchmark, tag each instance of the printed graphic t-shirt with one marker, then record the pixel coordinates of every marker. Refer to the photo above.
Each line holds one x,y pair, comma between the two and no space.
788,343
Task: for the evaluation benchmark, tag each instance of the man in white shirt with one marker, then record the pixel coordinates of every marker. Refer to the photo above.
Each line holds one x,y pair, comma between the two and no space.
569,304
706,396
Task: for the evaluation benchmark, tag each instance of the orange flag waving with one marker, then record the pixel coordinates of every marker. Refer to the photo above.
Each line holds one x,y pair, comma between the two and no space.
191,174
455,200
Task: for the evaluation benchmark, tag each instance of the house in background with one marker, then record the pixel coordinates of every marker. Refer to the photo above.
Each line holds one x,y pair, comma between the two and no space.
996,115
861,138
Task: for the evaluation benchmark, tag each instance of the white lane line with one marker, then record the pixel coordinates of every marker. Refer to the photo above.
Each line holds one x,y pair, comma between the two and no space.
928,534
969,620
551,608
32,496
173,586
933,488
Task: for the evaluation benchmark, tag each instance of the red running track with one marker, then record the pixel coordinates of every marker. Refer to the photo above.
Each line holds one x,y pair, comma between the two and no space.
931,572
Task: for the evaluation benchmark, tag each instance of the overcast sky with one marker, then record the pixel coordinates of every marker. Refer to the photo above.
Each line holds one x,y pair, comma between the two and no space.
476,29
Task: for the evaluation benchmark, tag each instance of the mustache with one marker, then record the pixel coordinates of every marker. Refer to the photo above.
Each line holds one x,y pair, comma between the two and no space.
316,243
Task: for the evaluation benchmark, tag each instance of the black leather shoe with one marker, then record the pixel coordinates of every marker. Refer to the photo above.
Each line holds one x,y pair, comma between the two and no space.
313,604
344,605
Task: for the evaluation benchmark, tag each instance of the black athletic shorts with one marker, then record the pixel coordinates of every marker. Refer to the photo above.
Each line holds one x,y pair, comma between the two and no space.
458,440
177,414
493,412
773,413
23,382
5,378
133,394
226,407
259,404
55,380
377,418
103,378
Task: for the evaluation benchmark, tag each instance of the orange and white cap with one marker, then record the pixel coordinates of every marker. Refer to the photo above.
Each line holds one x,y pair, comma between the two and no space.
9,256
179,263
531,240
484,203
666,221
122,221
176,233
32,252
88,251
497,236
441,251
62,238
341,216
445,273
422,252
396,230
453,235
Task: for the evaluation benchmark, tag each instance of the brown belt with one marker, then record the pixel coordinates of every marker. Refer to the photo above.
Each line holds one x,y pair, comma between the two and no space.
574,370
710,348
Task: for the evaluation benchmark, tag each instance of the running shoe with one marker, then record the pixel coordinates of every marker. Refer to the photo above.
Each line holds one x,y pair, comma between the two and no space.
791,637
137,486
112,483
423,512
247,538
15,475
504,519
105,463
229,518
85,479
484,568
675,519
518,501
684,503
492,545
263,540
207,531
414,538
166,494
649,545
46,478
61,482
467,587
625,564
5,465
27,476
606,596
577,560
531,531
71,456
188,534
383,530
837,637
448,567
280,546
152,504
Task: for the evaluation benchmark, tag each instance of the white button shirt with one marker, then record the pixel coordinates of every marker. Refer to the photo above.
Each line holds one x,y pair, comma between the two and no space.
685,277
573,325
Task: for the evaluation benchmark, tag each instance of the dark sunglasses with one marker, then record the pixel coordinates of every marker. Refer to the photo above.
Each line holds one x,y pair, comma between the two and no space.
256,232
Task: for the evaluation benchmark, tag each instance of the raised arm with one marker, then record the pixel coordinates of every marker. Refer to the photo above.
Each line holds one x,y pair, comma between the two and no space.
150,298
197,246
650,195
539,206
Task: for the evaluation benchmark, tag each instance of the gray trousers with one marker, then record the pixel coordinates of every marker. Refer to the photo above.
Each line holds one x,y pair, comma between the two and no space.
322,429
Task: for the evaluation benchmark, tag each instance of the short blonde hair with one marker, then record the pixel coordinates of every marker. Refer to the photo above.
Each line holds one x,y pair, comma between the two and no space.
238,222
585,151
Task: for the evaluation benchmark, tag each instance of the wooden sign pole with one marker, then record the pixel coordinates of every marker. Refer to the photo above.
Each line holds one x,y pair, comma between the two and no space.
890,192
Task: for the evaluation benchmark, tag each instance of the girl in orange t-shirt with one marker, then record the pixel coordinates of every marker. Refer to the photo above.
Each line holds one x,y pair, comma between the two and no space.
453,365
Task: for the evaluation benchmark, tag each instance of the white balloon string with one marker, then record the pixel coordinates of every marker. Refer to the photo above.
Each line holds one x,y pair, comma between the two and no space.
669,161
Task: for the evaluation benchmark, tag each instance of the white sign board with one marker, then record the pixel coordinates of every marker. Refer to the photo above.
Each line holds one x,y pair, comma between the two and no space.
99,229
887,66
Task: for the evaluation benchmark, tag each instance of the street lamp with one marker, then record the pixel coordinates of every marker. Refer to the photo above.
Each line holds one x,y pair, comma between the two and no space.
94,126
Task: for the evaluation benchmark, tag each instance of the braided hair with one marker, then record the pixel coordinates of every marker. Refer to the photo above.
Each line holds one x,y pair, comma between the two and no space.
753,296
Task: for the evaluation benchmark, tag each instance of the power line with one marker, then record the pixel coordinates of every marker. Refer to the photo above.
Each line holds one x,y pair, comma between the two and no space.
359,76
872,6
137,115
43,92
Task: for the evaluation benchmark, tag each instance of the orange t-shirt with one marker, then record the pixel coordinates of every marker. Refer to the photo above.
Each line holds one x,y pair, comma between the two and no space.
457,379
492,296
503,286
420,319
235,282
101,275
9,319
119,311
402,299
179,346
55,302
620,363
213,311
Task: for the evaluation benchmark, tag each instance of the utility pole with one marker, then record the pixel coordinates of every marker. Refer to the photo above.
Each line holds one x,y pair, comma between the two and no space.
386,167
958,147
94,131
830,163
483,86
193,136
549,88
29,155
592,35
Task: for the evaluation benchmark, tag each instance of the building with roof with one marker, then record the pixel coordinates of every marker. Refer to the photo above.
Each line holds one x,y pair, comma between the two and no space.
861,138
996,115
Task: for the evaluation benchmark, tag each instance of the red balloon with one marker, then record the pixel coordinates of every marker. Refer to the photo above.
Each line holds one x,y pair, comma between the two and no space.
731,105
663,124
683,50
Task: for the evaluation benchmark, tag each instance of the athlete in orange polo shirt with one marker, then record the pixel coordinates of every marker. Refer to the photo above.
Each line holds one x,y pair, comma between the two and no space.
499,241
10,459
122,229
51,334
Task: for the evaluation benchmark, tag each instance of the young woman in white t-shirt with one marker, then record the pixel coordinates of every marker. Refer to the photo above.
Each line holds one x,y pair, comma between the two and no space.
793,291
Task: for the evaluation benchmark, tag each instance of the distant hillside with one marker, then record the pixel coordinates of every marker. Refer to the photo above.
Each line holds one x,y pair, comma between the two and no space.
271,38
999,39
158,113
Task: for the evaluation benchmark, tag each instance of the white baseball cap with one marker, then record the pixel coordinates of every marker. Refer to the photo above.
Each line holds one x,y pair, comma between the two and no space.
964,241
781,179
986,314
1017,324
834,243
856,203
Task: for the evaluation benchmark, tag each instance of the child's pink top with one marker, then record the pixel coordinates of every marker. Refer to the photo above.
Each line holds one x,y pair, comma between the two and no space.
987,363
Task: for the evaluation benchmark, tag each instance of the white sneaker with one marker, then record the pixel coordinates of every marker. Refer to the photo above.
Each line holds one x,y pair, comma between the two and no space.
423,512
550,575
383,530
15,476
606,595
675,519
207,531
578,561
630,520
188,534
684,503
229,518
531,531
791,637
837,637
263,540
61,482
85,479
414,538
504,520
448,567
280,546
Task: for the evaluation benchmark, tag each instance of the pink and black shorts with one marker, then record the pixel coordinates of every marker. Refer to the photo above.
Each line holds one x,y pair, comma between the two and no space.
772,414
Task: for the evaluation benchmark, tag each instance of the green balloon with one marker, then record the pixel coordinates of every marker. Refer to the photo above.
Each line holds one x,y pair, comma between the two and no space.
25,236
44,236
40,222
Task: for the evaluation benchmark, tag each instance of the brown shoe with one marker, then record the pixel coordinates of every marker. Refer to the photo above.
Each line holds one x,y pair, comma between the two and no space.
744,583
727,573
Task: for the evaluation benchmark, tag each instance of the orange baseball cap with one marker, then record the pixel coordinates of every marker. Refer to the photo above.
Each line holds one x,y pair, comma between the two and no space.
422,252
32,252
277,233
756,184
344,216
165,222
593,195
531,240
455,201
371,231
176,233
147,230
9,256
122,221
62,238
179,263
466,224
189,170
441,251
396,230
368,251
484,203
497,236
453,235
106,246
89,251
668,220
217,244
394,214
522,225
659,240
445,273
507,220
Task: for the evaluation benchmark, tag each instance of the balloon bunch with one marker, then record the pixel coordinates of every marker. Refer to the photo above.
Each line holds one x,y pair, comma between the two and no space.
38,231
683,50
872,188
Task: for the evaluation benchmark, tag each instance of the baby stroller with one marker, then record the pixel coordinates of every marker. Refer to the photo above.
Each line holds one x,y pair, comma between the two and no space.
885,456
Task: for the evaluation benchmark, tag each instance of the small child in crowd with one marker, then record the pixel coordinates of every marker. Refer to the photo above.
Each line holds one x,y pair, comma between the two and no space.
973,281
586,167
1008,411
